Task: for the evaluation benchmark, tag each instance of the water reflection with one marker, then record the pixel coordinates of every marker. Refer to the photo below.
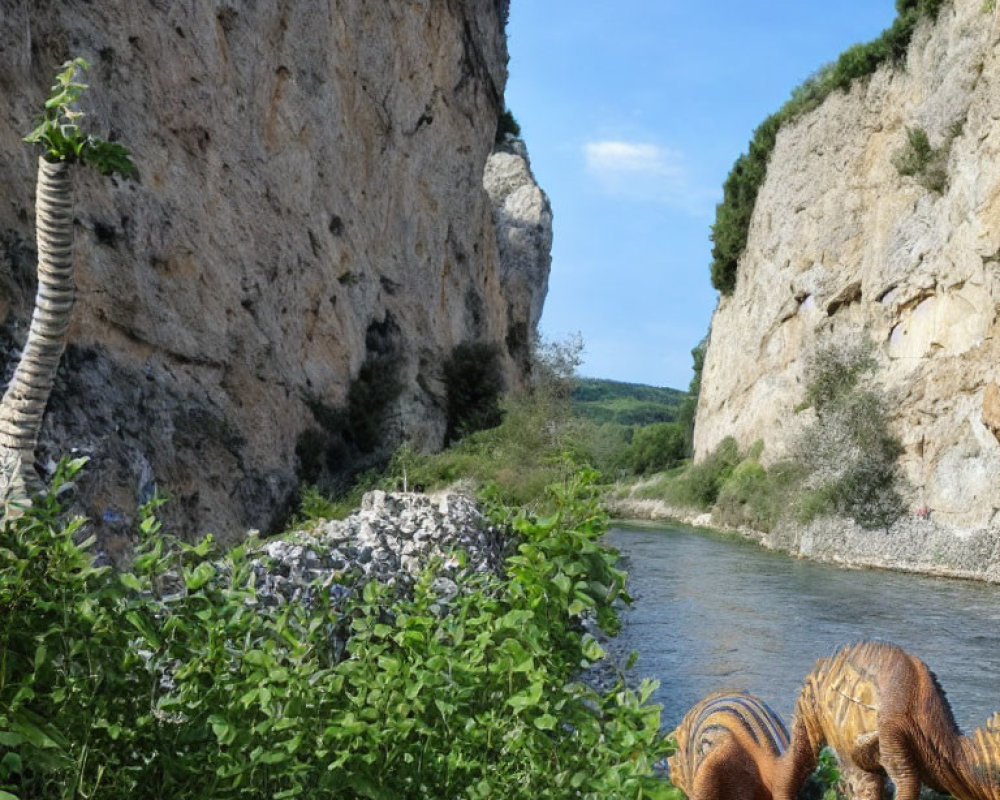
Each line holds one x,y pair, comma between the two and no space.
713,612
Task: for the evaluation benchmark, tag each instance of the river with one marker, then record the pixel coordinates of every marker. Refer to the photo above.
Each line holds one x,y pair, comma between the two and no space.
714,612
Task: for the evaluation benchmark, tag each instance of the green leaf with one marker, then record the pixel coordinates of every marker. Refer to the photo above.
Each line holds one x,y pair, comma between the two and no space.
529,697
141,624
129,581
199,576
10,764
545,722
224,732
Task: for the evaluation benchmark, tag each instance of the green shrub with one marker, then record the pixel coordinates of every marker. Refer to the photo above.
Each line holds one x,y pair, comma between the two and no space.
506,124
833,373
349,440
73,693
740,494
657,447
849,453
177,680
473,382
689,407
704,480
928,165
739,193
756,497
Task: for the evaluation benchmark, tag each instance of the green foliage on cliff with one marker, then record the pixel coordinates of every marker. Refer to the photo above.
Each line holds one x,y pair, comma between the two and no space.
178,680
733,214
474,382
927,164
507,125
845,462
850,453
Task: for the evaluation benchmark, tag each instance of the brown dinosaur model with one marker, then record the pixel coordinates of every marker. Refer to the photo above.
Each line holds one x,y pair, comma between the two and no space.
728,747
884,713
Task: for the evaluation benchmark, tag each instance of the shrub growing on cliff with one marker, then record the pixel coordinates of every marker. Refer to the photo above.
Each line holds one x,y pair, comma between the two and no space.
928,165
474,382
850,453
506,124
177,680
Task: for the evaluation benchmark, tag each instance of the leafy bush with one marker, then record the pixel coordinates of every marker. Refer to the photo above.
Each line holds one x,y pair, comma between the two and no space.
929,165
506,124
835,372
657,447
733,214
354,438
689,407
695,485
473,381
177,680
704,480
71,687
849,453
757,497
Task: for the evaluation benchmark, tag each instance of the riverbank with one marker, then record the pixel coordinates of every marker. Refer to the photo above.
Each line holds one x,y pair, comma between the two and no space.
911,544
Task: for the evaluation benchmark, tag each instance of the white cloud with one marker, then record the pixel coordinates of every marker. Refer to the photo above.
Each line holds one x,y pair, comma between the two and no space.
610,159
647,172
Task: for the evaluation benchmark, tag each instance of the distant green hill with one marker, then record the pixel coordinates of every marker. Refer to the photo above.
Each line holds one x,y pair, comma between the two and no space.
625,403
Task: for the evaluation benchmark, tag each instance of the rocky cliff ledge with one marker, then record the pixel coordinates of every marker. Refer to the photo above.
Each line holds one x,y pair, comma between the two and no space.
842,248
310,239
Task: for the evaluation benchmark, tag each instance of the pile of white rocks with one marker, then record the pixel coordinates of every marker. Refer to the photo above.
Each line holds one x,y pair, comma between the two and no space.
392,538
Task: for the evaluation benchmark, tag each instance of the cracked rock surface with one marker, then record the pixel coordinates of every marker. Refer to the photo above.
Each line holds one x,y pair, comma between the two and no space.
392,538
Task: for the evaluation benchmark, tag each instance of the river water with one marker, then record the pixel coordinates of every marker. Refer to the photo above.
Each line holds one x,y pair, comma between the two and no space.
715,612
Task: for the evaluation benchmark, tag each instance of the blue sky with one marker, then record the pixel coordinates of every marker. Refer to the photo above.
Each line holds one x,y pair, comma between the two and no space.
633,112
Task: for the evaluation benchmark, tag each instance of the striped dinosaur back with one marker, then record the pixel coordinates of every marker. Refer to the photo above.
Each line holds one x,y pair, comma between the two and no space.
730,713
983,752
842,694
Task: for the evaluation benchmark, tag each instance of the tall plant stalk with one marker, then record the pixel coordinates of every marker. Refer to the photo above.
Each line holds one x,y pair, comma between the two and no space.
24,401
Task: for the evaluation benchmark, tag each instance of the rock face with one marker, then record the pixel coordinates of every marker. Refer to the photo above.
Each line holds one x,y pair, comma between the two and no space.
392,538
273,301
843,248
523,218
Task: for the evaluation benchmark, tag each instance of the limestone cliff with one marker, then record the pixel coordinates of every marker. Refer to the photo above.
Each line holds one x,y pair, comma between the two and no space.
843,247
309,240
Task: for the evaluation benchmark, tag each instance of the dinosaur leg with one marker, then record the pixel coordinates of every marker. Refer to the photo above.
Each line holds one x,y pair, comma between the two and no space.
797,763
862,785
862,774
710,780
728,773
900,764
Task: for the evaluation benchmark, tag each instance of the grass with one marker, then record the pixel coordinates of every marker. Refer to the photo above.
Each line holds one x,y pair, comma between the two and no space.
625,403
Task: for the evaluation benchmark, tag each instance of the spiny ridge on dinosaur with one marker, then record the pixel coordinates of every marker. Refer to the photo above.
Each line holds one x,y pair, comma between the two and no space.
884,713
728,746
